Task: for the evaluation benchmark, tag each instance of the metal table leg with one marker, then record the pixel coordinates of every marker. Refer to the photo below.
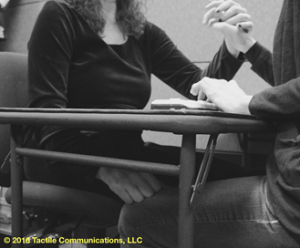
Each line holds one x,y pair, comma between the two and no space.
16,191
187,171
187,199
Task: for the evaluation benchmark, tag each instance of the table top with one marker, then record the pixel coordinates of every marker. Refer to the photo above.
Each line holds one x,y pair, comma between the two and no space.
176,121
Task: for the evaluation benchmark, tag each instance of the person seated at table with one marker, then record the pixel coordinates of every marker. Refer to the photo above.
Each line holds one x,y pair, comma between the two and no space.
259,211
100,54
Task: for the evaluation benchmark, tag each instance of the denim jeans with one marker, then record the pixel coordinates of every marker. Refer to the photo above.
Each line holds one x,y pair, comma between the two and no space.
231,213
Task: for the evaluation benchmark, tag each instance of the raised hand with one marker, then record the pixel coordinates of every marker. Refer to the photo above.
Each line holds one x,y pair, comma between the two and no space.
233,21
225,11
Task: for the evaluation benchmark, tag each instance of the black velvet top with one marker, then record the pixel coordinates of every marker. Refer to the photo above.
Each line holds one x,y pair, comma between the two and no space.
70,66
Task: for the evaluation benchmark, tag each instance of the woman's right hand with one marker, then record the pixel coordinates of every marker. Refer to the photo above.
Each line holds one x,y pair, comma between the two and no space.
130,186
233,21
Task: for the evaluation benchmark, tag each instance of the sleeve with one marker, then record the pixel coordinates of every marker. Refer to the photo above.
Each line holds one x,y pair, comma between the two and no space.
261,61
279,103
50,51
176,70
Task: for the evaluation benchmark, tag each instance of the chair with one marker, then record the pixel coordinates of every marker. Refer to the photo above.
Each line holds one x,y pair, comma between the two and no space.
102,212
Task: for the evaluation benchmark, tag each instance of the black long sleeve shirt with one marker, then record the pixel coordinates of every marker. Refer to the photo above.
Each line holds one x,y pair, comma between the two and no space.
70,66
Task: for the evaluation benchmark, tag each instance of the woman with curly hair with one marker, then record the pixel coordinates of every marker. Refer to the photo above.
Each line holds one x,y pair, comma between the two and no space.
129,17
100,54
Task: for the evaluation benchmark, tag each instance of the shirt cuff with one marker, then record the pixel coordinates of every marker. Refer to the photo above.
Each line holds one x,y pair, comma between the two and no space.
226,54
254,53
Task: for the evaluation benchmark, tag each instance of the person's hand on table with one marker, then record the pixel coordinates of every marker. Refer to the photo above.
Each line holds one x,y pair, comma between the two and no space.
130,186
233,21
226,95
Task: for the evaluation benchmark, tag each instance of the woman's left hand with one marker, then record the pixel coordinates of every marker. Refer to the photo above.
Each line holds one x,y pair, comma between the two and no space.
226,95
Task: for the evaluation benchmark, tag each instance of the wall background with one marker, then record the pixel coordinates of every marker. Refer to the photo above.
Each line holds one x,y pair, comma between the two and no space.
182,20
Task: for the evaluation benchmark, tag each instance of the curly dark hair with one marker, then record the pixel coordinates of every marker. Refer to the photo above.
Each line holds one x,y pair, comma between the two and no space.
129,16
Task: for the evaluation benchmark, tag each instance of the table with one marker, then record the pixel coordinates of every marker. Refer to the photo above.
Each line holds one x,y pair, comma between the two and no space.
187,123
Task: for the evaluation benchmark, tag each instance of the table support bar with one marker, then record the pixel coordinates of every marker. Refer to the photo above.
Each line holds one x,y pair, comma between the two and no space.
158,168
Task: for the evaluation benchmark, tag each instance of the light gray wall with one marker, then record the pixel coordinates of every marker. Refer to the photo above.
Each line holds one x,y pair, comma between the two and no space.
182,20
19,20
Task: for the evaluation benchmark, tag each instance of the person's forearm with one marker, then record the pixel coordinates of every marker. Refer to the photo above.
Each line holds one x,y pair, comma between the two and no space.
281,102
231,49
262,62
248,43
224,65
244,47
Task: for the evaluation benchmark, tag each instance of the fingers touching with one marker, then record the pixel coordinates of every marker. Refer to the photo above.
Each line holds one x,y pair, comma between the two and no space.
226,95
226,11
196,91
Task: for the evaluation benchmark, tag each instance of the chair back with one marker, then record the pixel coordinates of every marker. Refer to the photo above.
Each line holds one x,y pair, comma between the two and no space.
13,93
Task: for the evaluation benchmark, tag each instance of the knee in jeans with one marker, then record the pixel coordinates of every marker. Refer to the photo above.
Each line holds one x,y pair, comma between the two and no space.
127,220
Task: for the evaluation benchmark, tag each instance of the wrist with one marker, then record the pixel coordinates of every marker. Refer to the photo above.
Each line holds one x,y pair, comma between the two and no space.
231,49
249,42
